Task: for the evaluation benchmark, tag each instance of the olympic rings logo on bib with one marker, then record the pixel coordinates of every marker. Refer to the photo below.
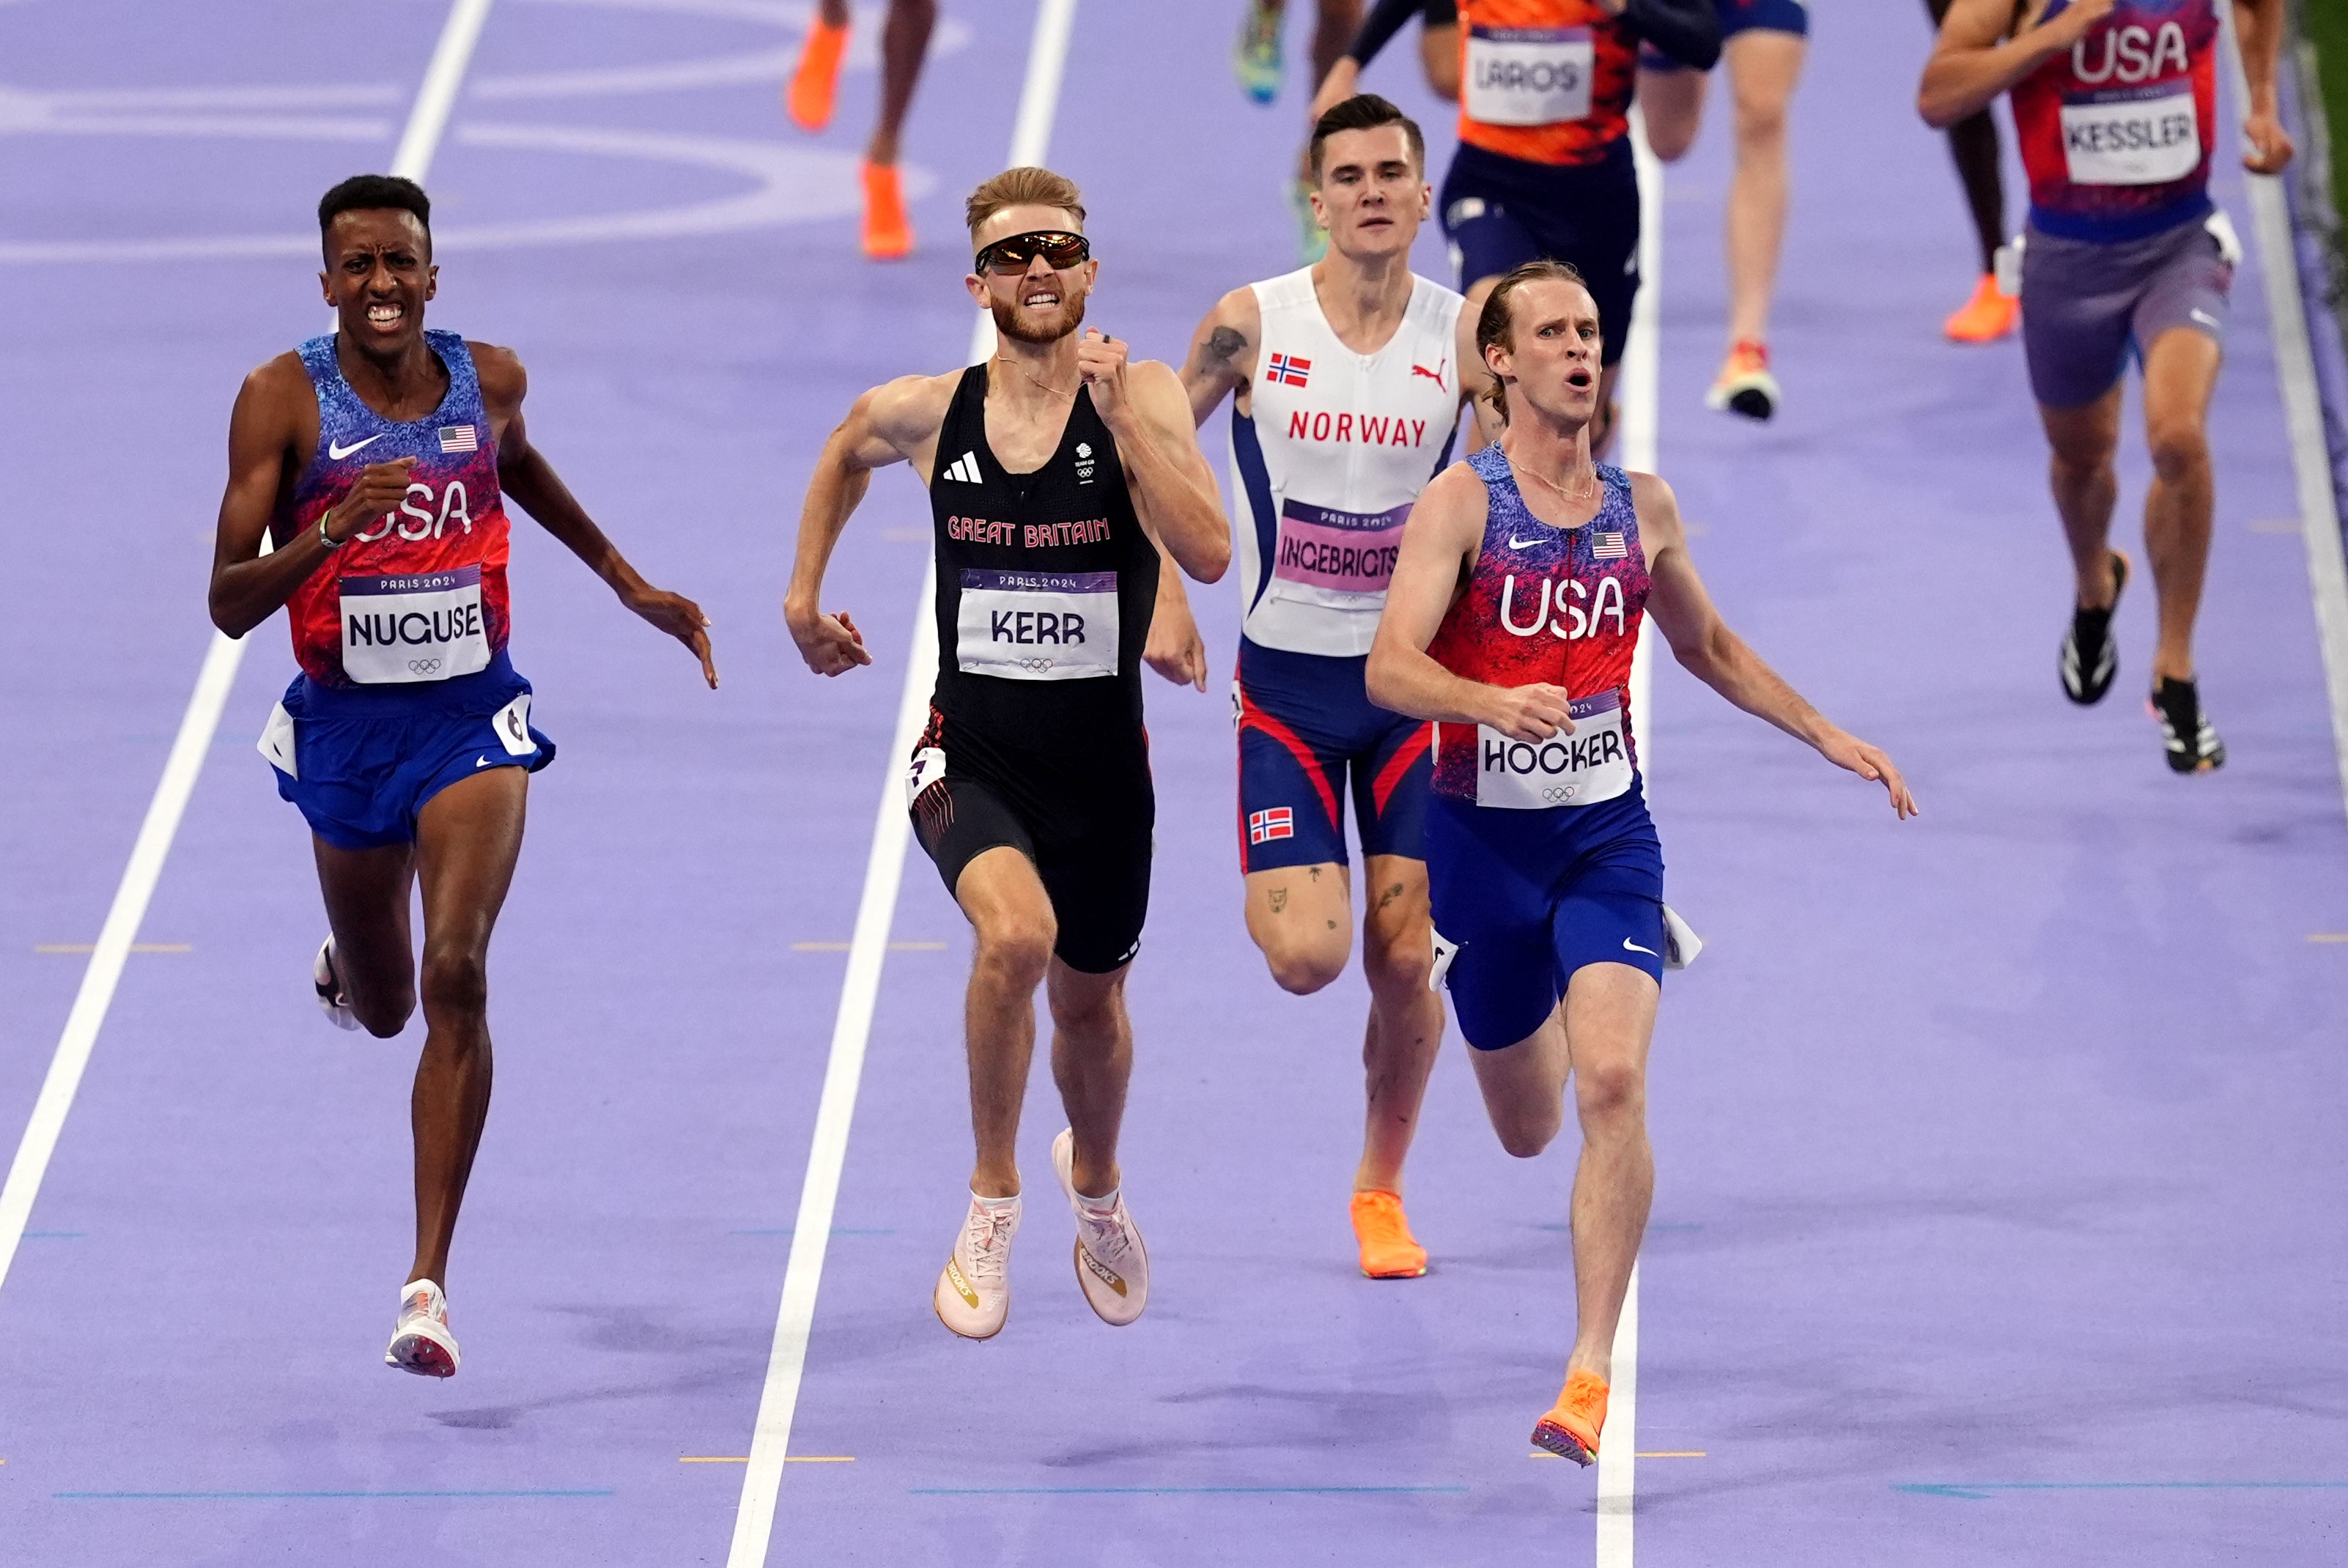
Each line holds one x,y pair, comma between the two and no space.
423,668
1590,765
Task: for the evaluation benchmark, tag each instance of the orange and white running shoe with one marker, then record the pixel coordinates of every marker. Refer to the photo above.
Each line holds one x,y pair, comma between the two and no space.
1112,1265
973,1294
422,1343
808,95
1389,1249
1745,385
888,232
1986,317
1570,1430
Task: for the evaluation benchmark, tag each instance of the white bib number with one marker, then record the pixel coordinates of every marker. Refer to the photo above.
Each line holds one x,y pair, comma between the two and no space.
2143,136
1529,76
1592,765
424,626
1037,625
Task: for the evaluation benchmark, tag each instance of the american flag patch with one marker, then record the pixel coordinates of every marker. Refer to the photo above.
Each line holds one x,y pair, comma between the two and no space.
458,439
1607,546
1287,370
1265,825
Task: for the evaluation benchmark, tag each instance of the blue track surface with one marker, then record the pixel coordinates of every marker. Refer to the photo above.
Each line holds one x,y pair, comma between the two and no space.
1997,1218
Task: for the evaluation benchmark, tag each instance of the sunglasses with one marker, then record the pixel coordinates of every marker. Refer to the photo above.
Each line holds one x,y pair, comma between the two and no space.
1059,249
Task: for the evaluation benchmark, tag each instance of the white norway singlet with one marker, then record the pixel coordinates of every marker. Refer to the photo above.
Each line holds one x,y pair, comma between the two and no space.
1334,448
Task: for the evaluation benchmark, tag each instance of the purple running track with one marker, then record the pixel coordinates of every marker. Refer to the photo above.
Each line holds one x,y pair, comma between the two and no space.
1997,1151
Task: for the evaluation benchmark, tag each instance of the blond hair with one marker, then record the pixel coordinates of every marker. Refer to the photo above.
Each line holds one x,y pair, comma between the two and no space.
1496,327
1024,187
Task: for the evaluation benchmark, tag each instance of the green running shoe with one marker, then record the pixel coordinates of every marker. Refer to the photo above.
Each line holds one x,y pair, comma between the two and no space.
1256,60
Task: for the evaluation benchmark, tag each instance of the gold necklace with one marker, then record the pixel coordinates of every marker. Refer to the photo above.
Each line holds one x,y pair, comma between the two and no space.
1023,370
1579,498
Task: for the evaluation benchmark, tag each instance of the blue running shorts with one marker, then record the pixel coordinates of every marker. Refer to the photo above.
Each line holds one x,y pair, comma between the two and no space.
1528,898
1740,16
361,762
1500,212
1307,731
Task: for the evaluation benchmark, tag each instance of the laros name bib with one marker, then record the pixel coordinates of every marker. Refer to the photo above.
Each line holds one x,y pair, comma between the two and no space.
419,626
1529,76
2135,136
1342,561
1589,765
1037,625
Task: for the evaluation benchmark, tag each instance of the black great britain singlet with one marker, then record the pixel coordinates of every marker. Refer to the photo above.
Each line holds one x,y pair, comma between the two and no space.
1045,587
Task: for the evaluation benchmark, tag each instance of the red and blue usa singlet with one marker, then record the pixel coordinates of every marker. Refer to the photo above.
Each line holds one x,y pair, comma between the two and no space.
1559,606
2117,133
420,594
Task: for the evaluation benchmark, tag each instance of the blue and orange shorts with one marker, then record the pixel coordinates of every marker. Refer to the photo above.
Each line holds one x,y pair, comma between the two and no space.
1309,733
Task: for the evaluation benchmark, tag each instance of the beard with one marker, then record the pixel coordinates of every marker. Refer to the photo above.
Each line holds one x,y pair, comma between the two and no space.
1008,323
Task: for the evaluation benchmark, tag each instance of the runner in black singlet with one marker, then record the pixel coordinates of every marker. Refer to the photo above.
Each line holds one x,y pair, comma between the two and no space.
1056,471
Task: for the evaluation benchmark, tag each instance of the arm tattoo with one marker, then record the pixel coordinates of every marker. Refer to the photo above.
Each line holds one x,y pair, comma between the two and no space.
1223,343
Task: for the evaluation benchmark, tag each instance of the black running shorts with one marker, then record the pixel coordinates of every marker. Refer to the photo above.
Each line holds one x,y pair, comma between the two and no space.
1084,820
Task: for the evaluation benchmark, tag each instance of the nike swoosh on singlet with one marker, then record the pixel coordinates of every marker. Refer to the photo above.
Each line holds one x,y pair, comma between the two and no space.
338,451
1516,544
1634,946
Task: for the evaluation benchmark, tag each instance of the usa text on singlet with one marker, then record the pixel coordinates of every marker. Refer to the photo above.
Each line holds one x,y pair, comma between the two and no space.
2116,131
1045,584
1546,605
419,593
1334,448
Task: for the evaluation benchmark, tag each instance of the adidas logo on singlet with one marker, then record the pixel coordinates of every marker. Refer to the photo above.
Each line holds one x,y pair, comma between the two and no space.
964,468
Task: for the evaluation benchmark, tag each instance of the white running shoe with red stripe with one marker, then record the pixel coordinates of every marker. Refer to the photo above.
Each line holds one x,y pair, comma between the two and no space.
423,1345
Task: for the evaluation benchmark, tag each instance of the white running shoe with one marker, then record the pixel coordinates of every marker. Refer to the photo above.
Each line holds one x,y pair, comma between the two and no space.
973,1294
1111,1262
332,1000
423,1344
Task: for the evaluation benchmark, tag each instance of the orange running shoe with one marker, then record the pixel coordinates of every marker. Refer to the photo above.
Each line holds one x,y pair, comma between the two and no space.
1988,316
809,96
1388,1251
1745,385
888,232
1570,1429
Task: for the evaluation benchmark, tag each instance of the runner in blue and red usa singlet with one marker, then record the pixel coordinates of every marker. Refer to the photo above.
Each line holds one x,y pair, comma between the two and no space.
2125,257
372,464
1512,621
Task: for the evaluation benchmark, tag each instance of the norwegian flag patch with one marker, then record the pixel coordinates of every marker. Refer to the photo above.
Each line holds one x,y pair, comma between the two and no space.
458,439
1287,370
1607,546
1264,827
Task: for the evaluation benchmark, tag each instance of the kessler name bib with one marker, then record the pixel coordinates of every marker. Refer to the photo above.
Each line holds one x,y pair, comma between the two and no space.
1529,76
422,626
2135,136
1037,625
1592,765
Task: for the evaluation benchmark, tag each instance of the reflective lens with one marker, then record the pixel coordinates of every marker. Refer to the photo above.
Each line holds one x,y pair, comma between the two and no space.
1059,249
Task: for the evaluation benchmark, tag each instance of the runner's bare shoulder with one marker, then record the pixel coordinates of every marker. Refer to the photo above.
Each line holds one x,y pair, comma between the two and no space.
276,408
504,382
907,412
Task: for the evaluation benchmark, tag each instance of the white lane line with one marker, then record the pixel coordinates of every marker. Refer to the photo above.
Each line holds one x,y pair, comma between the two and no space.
197,724
762,1478
2319,516
1617,1455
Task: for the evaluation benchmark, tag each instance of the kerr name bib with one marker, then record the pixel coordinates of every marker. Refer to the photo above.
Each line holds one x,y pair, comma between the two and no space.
1583,768
1340,560
1529,76
2135,136
1037,625
424,626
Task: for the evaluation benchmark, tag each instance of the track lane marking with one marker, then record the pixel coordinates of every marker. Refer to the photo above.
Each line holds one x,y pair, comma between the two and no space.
876,910
201,718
